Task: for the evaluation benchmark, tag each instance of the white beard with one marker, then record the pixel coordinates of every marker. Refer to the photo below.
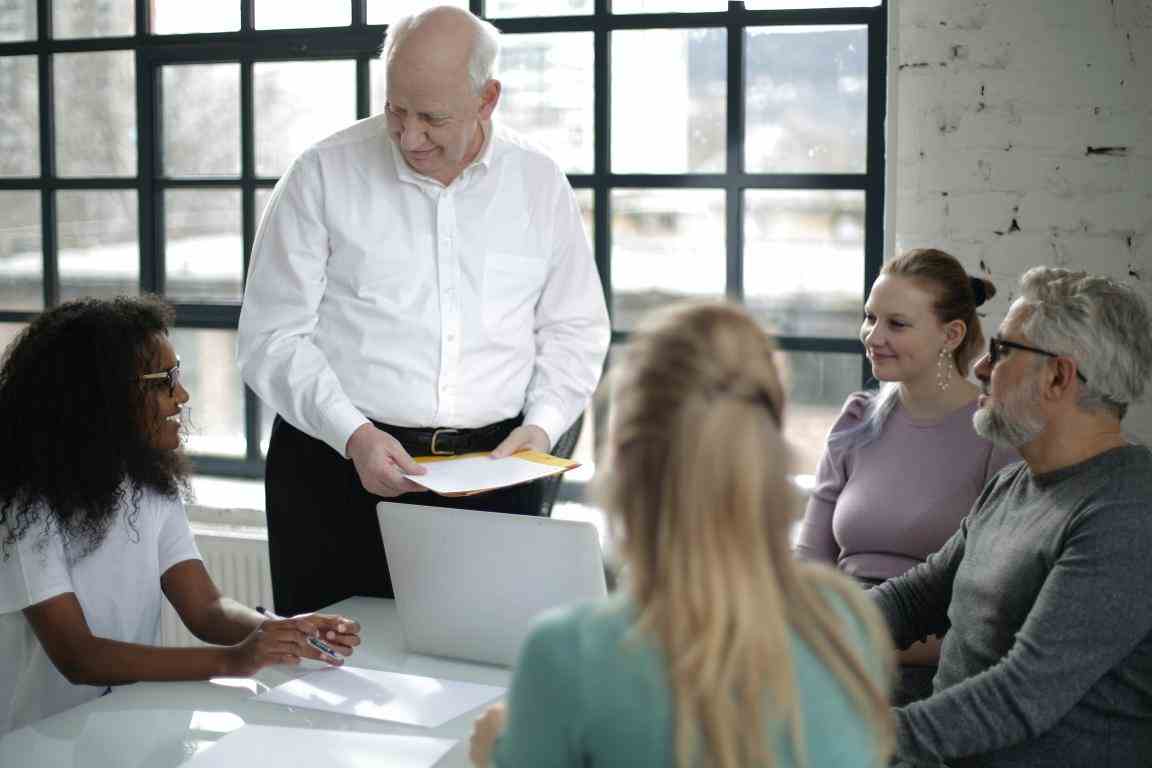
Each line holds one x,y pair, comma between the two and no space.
1016,421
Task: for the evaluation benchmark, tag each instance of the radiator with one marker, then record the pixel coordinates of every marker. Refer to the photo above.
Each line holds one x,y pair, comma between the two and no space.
237,560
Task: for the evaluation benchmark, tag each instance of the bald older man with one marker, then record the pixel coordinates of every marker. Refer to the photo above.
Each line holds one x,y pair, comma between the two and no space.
420,284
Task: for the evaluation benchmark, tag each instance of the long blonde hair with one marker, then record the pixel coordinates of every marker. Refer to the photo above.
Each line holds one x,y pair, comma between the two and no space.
696,488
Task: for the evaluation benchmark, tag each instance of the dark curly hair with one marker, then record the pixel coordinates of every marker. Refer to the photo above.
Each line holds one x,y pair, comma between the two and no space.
73,444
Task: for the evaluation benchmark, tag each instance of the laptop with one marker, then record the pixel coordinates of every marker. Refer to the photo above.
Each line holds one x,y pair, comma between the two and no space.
468,584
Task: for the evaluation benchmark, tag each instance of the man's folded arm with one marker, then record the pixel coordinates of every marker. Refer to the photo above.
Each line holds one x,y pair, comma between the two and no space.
915,605
1091,613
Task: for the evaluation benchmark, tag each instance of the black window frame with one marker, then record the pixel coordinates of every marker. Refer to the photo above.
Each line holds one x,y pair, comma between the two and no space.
360,42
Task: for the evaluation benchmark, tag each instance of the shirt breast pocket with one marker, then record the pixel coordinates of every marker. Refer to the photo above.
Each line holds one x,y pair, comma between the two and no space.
512,286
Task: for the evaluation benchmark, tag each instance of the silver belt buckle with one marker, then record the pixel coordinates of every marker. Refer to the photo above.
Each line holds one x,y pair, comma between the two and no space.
436,434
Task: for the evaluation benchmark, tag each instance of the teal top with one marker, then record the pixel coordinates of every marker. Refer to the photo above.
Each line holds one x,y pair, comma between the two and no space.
590,691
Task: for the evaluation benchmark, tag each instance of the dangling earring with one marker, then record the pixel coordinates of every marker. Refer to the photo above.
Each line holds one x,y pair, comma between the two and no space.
943,369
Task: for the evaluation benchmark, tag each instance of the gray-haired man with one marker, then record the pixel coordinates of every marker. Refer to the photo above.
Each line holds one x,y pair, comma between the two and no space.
1045,590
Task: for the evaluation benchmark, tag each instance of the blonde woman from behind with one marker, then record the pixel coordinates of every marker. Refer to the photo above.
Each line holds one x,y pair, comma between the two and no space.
721,650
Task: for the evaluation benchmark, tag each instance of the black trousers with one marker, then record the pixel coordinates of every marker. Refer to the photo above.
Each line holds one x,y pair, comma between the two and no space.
323,536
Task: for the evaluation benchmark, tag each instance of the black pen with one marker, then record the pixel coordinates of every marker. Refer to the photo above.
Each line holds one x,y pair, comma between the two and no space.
315,642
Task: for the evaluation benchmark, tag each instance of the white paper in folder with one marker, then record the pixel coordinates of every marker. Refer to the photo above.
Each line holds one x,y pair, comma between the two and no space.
380,695
276,745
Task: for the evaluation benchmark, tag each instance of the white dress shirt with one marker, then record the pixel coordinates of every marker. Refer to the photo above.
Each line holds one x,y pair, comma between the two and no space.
375,292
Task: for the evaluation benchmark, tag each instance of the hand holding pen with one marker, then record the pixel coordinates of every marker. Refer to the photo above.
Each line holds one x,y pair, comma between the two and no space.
286,641
340,635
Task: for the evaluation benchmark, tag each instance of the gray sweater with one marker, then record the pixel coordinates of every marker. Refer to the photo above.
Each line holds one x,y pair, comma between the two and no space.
1046,594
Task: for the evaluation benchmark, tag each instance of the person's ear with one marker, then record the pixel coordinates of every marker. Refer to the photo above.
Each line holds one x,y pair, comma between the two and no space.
954,333
489,98
1062,379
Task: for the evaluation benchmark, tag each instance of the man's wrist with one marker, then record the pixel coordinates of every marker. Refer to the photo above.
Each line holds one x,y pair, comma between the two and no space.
356,437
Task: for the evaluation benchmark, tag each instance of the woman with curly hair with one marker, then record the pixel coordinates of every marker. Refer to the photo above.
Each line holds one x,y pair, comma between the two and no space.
93,533
722,650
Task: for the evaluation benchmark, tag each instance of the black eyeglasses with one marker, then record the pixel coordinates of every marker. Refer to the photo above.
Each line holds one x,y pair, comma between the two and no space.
997,347
170,377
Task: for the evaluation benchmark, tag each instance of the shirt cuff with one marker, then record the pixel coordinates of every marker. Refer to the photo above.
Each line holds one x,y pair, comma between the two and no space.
548,419
341,424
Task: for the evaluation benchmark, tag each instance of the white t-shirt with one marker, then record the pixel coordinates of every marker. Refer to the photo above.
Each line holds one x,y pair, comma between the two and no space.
117,585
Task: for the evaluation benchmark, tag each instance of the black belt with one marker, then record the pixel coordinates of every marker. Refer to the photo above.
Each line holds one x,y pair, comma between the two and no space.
447,441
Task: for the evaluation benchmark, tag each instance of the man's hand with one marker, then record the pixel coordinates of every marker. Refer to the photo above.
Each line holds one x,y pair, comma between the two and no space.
381,462
528,437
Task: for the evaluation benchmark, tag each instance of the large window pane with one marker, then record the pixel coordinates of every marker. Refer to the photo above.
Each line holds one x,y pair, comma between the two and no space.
85,18
667,6
807,100
19,117
678,127
294,14
297,103
214,415
387,11
667,244
180,17
201,120
504,8
21,260
97,233
820,382
547,95
203,248
804,260
95,107
18,21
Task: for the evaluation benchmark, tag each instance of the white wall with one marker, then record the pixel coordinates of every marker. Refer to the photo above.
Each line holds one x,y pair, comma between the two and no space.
1021,134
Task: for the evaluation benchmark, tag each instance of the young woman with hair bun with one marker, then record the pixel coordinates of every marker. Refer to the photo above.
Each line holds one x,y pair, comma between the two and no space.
903,464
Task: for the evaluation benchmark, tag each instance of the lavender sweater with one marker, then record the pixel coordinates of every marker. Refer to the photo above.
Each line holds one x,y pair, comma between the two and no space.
879,510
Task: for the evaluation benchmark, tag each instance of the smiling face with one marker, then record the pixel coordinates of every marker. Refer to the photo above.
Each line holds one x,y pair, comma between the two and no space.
434,115
163,403
901,333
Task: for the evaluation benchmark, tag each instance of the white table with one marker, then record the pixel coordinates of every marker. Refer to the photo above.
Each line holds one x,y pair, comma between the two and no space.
160,725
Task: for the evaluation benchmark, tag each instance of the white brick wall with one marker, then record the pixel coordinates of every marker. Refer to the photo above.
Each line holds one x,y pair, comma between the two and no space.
1000,110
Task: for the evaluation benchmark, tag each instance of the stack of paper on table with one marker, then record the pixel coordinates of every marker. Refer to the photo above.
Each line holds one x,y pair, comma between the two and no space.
373,693
276,745
471,473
